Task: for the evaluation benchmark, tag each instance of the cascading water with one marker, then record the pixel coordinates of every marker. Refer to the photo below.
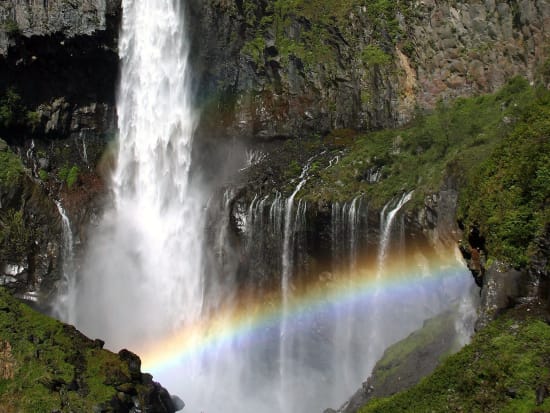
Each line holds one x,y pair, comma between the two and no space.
145,261
287,268
143,274
347,229
379,311
64,304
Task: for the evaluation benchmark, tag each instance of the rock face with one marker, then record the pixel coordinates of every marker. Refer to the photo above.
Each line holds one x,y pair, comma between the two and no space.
61,59
276,71
469,47
70,19
29,231
58,71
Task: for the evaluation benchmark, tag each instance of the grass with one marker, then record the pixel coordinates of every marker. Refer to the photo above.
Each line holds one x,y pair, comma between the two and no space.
500,371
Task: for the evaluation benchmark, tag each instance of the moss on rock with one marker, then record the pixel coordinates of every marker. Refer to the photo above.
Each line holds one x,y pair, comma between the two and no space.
48,366
506,368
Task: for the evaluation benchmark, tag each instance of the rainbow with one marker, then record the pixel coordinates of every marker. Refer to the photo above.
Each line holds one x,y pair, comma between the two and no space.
251,318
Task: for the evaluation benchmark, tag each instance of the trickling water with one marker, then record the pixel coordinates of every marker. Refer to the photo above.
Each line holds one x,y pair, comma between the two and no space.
84,147
64,304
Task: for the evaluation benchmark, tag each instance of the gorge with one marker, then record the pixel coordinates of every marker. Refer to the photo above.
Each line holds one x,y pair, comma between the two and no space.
263,209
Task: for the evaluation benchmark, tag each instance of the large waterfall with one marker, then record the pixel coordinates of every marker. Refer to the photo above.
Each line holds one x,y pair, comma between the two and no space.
143,270
288,342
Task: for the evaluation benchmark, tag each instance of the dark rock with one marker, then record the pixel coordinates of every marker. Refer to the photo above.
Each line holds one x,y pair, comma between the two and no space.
134,364
99,343
501,290
542,394
178,403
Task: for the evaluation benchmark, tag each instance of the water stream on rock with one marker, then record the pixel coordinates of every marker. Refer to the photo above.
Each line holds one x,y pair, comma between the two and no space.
288,341
64,304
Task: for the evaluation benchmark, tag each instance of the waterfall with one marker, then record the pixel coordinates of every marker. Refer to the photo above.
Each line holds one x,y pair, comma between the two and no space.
144,264
386,223
144,281
387,217
64,304
347,229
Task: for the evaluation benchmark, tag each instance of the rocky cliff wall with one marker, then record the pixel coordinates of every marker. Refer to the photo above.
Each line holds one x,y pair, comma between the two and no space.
58,73
287,69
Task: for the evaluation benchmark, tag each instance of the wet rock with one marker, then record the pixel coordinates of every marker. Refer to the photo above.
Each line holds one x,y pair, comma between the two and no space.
501,290
178,403
452,49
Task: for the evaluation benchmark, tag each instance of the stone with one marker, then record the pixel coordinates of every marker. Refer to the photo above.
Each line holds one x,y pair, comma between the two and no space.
178,403
501,290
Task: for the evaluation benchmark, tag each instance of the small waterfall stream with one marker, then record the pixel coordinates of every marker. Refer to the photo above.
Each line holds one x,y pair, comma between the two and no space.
291,222
379,311
64,304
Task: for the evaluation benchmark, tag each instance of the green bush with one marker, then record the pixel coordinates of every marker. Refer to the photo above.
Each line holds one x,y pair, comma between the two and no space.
72,176
69,175
374,56
11,168
14,234
509,196
12,110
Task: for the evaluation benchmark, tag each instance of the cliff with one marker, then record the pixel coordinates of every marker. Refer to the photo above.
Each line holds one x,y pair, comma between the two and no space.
296,68
58,71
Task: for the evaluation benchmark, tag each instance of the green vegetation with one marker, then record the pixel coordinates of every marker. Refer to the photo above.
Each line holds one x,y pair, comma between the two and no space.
11,27
508,196
43,175
436,338
373,56
452,140
500,371
69,175
15,236
14,113
46,366
325,21
11,168
12,109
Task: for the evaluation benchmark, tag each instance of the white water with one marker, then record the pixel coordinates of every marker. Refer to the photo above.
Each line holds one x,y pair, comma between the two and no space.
64,304
380,310
145,264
